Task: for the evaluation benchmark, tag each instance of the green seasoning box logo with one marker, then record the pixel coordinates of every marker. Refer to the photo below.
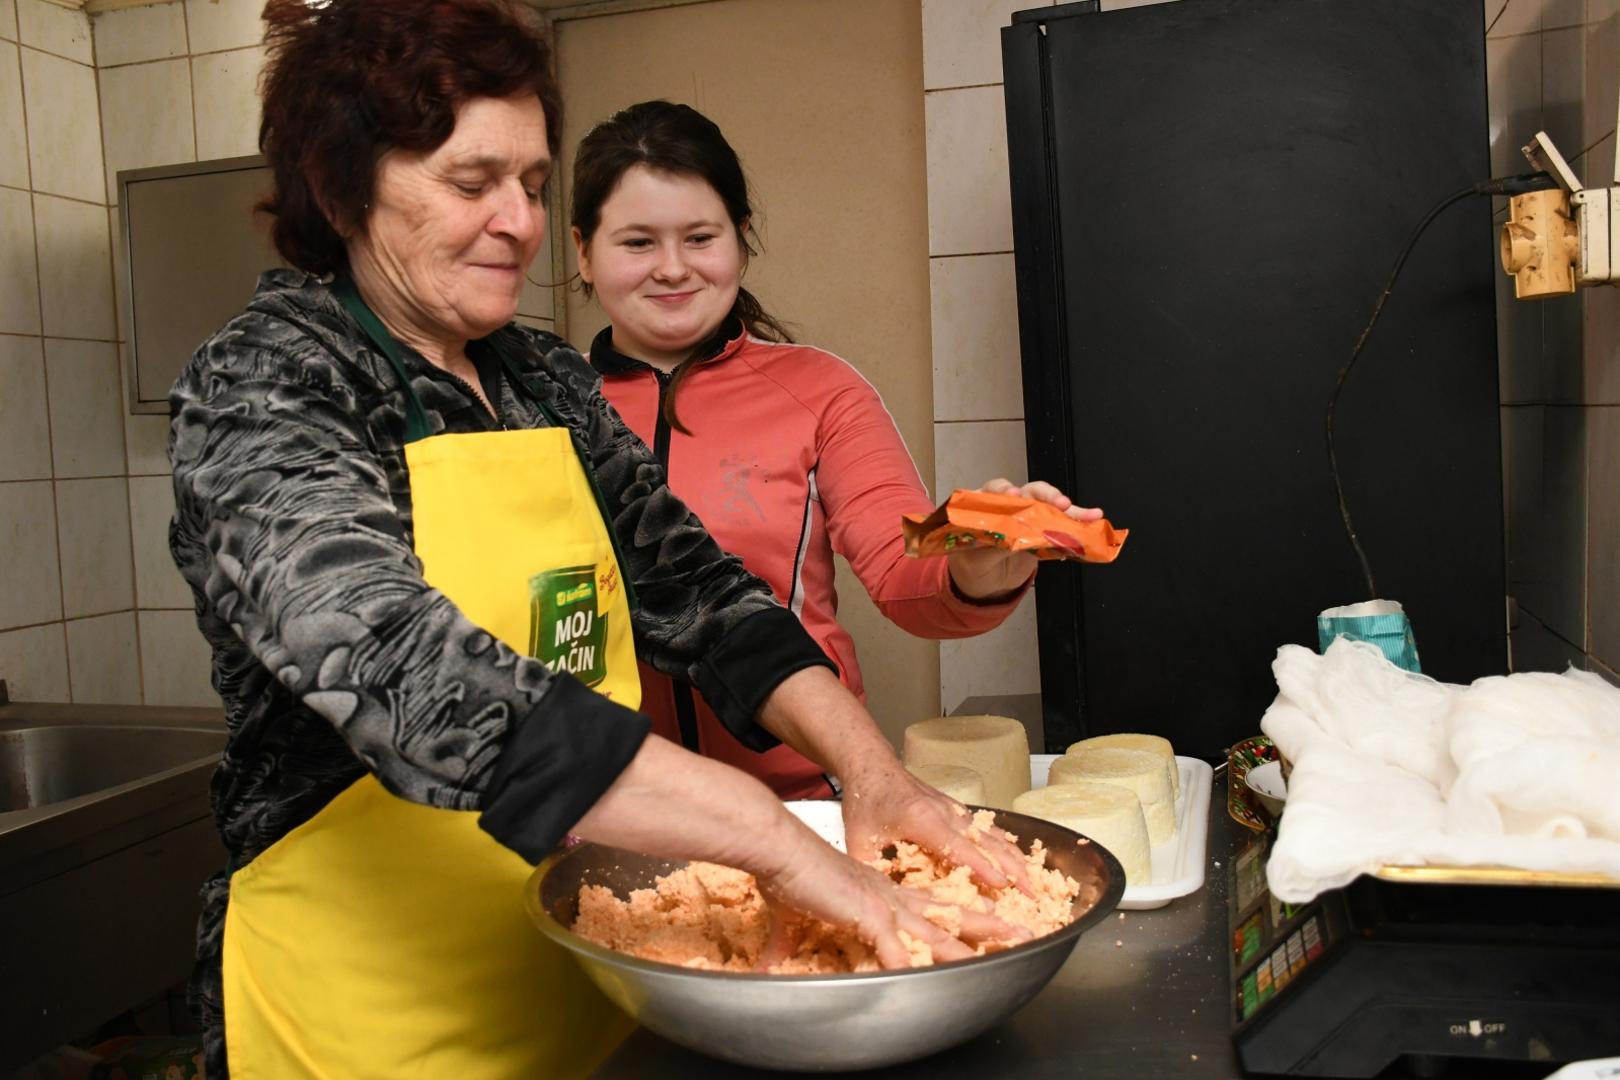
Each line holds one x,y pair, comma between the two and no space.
566,632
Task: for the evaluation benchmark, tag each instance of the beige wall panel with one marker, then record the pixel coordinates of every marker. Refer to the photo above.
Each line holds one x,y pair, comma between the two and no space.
823,101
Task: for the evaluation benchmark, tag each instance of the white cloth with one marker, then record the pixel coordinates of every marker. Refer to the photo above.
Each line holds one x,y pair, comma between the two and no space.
1393,768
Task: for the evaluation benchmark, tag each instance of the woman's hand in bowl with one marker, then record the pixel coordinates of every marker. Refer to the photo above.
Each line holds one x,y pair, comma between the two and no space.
817,879
894,805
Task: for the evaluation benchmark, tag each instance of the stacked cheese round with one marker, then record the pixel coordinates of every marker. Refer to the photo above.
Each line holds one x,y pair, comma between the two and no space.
961,783
995,747
1106,813
1136,741
1142,771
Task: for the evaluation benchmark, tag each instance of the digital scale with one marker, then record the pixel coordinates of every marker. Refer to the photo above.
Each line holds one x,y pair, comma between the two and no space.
1421,978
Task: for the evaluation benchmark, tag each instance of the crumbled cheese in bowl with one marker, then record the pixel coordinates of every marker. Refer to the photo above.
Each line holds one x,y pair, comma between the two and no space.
714,917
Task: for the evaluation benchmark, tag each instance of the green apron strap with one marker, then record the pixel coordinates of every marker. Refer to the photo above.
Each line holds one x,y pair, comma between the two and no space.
521,382
416,421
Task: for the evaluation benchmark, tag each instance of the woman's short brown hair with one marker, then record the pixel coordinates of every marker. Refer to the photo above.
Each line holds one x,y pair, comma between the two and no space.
349,80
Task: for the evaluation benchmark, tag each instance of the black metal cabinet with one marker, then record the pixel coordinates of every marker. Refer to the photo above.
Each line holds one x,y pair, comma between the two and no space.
1207,199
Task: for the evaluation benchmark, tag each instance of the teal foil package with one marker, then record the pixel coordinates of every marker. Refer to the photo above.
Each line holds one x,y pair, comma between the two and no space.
1381,622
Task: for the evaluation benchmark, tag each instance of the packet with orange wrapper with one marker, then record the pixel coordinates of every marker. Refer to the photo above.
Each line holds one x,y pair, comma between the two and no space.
1012,522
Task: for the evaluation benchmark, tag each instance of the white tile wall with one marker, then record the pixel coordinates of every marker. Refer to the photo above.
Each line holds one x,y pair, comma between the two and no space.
25,437
1504,17
65,153
85,407
1602,310
158,583
33,662
104,659
225,88
962,40
974,312
93,519
1598,668
30,586
54,29
142,33
115,244
1556,13
969,205
174,660
1004,661
1547,515
1603,534
8,20
223,24
146,117
146,435
1513,81
1563,85
1601,65
13,142
19,299
968,454
75,268
1537,648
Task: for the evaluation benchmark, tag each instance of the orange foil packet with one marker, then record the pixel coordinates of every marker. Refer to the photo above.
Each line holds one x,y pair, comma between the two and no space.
1012,522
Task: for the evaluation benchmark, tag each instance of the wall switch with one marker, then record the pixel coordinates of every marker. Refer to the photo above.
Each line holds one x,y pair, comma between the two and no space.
1597,220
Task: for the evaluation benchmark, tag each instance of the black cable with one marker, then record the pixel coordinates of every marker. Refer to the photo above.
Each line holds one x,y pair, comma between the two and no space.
1507,185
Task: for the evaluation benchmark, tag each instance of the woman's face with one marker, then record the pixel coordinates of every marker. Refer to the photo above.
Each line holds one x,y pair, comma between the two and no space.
451,232
666,263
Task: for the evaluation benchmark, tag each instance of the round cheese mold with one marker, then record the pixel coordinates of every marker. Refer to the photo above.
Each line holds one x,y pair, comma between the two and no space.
1106,813
1137,741
1142,771
995,747
961,783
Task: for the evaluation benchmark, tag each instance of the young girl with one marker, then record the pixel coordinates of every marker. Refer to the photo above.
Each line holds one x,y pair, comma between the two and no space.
784,451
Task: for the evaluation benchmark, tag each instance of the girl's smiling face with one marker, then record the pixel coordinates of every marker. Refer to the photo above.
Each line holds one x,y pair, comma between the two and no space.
666,263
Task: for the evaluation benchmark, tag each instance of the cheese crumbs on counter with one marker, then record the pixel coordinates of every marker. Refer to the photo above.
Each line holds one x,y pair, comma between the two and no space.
713,917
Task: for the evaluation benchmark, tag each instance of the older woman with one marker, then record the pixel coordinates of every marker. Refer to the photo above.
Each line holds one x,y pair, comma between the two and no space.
426,555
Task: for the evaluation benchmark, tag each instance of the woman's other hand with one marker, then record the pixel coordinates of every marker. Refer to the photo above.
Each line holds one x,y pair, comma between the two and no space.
818,880
990,574
894,805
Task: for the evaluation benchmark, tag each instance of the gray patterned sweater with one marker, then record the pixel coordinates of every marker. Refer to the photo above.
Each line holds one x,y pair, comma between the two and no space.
292,526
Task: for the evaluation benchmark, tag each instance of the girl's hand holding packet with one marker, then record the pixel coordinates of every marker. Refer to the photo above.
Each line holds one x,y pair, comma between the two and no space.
1011,522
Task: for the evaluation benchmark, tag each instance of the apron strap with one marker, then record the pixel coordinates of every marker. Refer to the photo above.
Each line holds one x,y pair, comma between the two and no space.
416,421
521,382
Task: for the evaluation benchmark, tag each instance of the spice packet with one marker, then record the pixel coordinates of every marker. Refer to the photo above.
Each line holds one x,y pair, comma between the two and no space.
1012,522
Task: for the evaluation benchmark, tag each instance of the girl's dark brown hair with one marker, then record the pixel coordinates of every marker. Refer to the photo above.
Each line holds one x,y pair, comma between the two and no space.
675,139
349,80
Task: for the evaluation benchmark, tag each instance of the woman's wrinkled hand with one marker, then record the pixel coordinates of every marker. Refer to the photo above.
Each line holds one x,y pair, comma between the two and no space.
818,880
985,573
894,805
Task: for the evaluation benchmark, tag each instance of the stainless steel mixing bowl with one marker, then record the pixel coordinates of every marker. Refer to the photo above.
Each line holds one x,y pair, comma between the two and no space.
820,1022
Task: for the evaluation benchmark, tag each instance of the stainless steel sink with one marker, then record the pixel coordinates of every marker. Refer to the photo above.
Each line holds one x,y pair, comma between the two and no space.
44,765
105,836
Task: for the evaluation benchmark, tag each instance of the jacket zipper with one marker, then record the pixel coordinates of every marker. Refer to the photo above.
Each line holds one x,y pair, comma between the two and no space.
685,704
494,410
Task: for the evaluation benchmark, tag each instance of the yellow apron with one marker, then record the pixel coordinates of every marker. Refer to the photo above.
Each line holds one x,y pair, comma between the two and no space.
383,938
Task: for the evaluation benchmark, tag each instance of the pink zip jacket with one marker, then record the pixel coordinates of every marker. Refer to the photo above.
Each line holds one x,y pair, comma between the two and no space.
792,457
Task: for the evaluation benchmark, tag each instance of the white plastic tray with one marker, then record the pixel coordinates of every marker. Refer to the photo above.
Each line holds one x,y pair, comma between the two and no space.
1178,864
